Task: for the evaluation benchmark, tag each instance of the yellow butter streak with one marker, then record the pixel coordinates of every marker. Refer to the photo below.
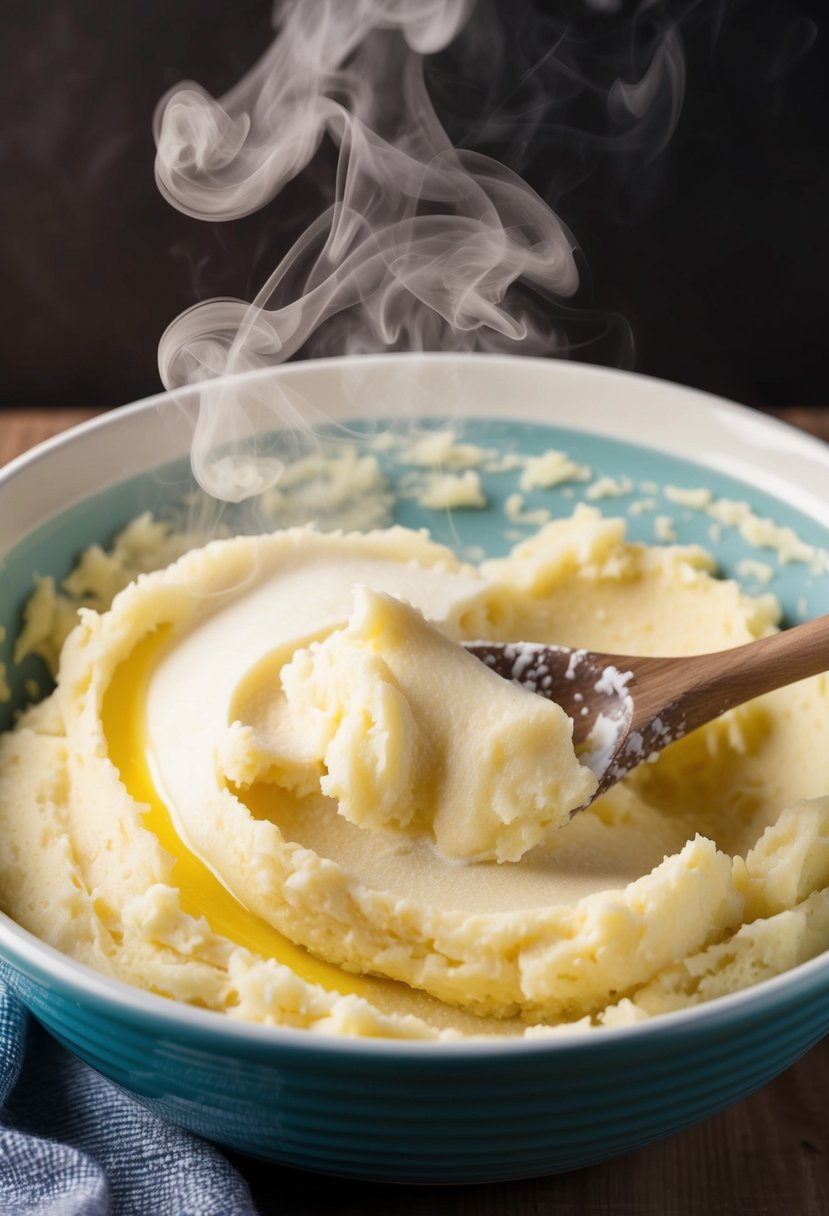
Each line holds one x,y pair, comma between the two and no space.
201,892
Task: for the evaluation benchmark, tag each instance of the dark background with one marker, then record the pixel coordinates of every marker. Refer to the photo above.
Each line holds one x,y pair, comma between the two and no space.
714,251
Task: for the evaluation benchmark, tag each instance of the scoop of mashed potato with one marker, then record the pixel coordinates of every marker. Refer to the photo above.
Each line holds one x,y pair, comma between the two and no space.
273,783
371,716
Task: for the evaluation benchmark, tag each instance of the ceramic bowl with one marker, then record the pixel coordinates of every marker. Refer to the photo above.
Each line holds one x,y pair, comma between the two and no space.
420,1112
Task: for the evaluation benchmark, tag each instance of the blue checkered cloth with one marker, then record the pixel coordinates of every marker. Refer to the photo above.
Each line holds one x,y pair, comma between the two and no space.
73,1144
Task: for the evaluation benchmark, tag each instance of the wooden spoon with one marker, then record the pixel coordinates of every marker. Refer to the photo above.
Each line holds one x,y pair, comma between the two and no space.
627,708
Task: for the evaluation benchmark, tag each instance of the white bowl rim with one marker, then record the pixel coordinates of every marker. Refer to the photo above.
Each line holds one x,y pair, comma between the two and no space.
771,438
167,1015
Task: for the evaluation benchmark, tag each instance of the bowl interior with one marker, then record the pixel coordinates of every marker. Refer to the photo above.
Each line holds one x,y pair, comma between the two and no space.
641,473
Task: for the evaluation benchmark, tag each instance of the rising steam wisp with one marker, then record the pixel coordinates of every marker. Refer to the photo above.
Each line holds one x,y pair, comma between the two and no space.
425,246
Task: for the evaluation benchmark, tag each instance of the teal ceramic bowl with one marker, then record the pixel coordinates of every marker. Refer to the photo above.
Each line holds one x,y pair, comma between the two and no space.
418,1112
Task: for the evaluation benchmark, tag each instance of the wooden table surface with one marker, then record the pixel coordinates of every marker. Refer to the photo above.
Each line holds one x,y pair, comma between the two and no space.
767,1156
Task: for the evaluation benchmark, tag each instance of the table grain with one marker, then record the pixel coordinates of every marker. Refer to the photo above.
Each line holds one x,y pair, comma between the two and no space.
766,1156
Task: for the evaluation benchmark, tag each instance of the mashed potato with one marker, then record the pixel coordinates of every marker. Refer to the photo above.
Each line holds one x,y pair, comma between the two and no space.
272,783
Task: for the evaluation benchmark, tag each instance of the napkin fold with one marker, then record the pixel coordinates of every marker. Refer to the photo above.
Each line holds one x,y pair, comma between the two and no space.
74,1144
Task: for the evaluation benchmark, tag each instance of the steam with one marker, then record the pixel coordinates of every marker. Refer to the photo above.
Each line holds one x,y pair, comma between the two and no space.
425,247
662,82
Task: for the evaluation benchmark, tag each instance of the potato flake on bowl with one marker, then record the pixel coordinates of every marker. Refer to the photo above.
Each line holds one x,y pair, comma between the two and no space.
445,491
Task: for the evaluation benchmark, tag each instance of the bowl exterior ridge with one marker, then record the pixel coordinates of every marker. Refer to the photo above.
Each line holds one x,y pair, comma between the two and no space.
438,1120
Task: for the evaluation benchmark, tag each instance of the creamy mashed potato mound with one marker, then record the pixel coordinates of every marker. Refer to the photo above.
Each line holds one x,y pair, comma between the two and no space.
271,782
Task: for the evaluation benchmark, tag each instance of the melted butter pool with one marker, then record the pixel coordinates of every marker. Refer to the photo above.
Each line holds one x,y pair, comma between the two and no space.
202,893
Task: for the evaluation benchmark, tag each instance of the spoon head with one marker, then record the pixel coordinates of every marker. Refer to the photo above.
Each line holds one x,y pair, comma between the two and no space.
591,690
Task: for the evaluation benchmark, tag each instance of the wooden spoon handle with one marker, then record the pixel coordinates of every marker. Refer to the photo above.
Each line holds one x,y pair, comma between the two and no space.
685,693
